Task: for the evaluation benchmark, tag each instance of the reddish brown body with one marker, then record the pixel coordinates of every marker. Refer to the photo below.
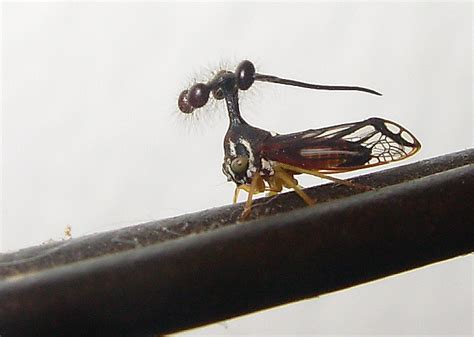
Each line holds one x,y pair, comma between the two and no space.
258,161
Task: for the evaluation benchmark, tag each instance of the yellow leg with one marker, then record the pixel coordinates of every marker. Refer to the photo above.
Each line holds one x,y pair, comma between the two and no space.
236,195
289,181
325,176
256,181
271,193
274,186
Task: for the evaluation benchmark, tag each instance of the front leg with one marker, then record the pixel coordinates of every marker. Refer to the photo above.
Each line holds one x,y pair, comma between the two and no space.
256,186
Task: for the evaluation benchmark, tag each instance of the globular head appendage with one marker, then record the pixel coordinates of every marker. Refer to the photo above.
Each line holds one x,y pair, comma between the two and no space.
227,83
224,82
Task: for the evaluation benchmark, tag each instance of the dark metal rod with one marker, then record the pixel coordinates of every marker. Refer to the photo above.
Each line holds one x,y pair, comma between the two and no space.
239,269
138,236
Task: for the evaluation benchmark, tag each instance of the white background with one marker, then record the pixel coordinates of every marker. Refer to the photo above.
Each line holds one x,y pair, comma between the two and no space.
91,136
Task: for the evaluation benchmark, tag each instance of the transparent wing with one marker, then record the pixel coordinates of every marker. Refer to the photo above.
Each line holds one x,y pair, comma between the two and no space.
344,147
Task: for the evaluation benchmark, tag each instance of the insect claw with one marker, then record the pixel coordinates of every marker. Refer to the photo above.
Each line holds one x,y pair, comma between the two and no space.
245,214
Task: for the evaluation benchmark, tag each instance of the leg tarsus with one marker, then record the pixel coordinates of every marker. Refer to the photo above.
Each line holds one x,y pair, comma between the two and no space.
236,195
251,191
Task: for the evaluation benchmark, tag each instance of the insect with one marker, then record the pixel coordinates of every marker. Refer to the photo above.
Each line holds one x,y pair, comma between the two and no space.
259,161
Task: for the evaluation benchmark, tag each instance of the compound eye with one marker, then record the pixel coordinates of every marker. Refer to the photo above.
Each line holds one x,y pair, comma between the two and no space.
218,93
198,95
183,103
239,164
245,73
